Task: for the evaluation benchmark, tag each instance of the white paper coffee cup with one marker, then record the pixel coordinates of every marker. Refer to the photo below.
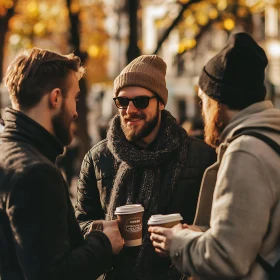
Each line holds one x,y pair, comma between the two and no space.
169,220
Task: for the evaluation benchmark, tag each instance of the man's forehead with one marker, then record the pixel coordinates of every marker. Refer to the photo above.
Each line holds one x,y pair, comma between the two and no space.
135,91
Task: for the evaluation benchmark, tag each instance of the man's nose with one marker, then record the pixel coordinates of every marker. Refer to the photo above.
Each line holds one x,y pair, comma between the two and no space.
75,116
131,108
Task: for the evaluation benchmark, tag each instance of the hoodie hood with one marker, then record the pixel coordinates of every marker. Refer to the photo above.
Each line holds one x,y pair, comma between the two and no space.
261,116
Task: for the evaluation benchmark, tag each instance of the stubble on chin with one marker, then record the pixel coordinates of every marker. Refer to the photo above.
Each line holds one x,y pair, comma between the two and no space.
128,133
62,127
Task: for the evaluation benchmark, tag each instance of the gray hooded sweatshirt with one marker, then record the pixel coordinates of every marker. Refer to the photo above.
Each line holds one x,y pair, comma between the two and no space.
239,203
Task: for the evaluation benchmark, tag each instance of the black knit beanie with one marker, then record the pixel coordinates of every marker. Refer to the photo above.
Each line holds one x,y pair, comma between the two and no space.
235,76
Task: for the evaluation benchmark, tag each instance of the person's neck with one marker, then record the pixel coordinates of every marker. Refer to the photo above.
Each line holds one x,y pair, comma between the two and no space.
231,114
38,113
146,141
141,143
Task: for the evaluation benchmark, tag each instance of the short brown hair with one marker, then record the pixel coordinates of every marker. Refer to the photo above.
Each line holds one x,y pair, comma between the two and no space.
34,73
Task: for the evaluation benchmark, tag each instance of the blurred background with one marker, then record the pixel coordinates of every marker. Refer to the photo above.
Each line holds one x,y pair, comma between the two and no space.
108,34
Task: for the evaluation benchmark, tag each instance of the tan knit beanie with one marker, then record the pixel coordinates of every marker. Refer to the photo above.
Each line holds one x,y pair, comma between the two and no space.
147,71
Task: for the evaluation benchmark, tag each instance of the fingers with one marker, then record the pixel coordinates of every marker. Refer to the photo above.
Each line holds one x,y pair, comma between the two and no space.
162,237
157,238
160,248
162,253
194,228
164,231
119,248
160,244
97,225
178,227
111,229
110,224
158,230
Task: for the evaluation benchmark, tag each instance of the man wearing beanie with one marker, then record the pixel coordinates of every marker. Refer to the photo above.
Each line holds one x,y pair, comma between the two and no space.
148,159
241,235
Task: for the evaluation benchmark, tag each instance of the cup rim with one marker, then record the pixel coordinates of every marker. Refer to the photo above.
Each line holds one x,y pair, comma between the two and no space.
163,219
129,209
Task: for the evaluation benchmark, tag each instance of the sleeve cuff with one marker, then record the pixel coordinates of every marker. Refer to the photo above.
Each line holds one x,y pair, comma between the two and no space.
103,237
179,250
106,252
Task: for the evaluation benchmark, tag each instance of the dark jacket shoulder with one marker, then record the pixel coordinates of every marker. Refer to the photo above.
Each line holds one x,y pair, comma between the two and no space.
99,149
100,157
199,152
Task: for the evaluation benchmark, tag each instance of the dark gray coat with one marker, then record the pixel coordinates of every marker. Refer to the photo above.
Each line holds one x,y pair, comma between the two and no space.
96,181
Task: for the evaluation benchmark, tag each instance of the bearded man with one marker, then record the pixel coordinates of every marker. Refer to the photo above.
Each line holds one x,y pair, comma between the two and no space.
146,159
39,234
243,238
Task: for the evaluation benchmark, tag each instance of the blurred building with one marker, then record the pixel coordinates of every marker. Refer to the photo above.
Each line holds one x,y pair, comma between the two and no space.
199,30
186,33
107,34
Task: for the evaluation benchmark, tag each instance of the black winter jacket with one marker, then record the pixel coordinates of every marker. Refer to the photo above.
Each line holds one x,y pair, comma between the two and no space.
96,181
39,235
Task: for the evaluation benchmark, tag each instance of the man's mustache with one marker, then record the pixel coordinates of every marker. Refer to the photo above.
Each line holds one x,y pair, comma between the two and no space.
134,116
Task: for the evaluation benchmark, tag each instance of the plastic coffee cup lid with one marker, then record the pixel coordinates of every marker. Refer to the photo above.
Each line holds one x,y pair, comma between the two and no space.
162,219
129,209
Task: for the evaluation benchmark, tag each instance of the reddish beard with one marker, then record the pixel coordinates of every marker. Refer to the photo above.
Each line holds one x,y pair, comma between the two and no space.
215,122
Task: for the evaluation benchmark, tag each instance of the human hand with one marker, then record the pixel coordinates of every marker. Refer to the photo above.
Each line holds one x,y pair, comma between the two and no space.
193,227
96,225
111,229
162,237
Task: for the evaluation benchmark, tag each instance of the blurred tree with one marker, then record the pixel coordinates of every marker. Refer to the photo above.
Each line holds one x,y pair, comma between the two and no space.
38,23
176,21
7,10
74,41
195,18
133,49
62,26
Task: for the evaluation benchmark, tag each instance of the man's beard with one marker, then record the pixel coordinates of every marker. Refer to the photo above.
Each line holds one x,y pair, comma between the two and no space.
144,131
215,122
62,126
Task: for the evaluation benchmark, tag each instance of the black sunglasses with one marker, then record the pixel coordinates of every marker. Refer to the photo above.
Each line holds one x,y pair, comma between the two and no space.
140,102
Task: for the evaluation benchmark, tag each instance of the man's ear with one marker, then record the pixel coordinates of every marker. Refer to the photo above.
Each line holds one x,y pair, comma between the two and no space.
161,106
55,98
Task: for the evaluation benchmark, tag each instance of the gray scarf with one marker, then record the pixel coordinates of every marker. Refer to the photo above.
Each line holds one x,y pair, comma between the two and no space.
147,176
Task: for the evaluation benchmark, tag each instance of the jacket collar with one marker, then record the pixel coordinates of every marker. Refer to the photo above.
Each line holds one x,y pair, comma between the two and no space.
19,127
258,115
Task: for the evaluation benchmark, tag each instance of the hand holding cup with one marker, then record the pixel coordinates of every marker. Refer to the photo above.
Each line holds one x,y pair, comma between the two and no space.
130,223
162,229
111,229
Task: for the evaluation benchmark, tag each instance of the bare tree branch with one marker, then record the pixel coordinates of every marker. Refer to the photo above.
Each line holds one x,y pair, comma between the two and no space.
174,23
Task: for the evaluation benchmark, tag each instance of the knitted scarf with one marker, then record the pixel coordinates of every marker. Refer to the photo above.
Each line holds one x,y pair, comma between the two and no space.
147,176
